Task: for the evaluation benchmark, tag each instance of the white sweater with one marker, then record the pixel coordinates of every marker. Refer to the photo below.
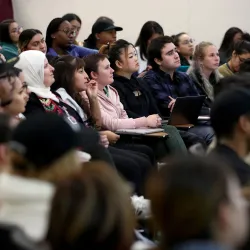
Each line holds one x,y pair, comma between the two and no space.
25,202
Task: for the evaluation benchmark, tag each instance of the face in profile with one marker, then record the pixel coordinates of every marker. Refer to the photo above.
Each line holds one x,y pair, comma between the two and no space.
186,45
128,60
237,60
20,97
37,43
106,37
211,60
14,31
48,74
104,76
170,59
76,26
65,35
81,80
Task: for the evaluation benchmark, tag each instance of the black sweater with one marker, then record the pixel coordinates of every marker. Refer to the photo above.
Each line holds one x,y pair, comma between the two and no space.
135,96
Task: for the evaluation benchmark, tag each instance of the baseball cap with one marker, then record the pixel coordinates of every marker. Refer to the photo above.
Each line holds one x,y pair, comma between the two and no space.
100,26
7,67
43,138
228,107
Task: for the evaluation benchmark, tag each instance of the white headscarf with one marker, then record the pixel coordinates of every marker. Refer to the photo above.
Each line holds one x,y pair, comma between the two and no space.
31,62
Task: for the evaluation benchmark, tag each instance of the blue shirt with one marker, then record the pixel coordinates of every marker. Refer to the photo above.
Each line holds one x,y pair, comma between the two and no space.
74,50
162,86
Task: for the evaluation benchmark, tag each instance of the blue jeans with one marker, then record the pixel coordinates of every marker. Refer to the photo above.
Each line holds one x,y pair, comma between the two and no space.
204,131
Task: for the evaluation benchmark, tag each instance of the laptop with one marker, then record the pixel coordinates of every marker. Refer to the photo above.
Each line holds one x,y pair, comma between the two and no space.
186,110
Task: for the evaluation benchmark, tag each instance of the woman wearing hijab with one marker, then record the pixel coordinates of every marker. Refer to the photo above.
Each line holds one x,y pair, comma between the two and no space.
39,77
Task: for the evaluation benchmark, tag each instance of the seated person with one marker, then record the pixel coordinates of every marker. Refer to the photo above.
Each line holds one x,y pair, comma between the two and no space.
103,32
134,94
230,121
240,53
32,39
204,70
60,37
114,117
185,47
166,84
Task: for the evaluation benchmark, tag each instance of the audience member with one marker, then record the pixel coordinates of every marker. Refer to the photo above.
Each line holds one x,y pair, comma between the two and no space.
76,23
245,67
91,210
70,81
197,204
7,82
149,31
240,53
204,70
60,37
230,121
105,19
185,47
102,33
9,34
32,39
231,36
167,84
19,98
135,96
42,151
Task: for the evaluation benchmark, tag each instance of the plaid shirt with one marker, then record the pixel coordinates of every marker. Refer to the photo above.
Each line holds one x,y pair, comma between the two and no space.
162,86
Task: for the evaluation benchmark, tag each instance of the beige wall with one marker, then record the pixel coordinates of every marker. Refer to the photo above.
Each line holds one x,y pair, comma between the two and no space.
204,20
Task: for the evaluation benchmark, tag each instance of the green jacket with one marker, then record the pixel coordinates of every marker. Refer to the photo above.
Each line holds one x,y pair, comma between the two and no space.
9,50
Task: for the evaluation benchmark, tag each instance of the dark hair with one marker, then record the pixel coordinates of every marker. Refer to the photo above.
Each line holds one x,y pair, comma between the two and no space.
26,36
245,67
91,62
4,30
236,80
176,38
91,210
5,128
188,191
65,67
51,29
155,48
148,29
242,47
71,17
105,19
116,50
246,37
228,42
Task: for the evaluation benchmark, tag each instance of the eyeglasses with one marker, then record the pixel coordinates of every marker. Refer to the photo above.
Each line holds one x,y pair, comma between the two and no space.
187,42
16,30
69,32
242,59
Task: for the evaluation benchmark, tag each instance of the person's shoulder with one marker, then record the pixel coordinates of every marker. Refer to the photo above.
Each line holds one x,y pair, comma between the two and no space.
87,50
150,74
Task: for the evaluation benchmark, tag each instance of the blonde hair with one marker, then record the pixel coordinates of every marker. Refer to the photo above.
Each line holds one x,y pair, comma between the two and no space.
58,170
199,54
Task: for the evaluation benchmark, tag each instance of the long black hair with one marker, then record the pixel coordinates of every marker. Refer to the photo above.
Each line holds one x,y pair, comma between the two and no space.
4,30
53,28
228,41
148,29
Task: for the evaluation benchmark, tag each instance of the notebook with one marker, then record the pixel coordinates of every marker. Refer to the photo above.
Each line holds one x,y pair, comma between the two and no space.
139,131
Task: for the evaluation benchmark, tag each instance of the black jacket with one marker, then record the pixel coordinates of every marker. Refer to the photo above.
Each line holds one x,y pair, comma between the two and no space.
135,96
231,158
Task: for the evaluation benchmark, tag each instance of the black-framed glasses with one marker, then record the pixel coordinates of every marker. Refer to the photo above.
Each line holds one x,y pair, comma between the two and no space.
69,32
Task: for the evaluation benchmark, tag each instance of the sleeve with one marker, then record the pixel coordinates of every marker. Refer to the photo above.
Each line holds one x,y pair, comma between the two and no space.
82,51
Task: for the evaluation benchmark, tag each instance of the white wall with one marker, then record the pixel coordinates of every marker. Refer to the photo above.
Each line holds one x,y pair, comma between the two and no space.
204,20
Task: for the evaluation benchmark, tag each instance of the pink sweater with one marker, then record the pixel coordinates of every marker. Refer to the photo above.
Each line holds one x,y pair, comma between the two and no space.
113,115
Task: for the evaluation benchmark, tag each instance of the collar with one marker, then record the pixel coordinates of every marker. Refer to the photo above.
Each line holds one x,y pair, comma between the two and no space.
176,76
